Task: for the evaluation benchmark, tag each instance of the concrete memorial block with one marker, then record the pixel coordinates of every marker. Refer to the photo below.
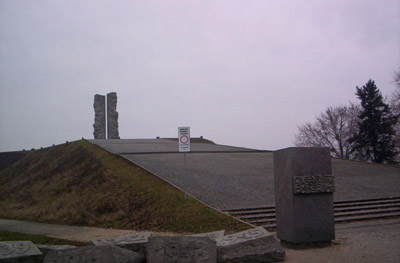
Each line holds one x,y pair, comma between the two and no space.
112,116
212,235
135,242
93,254
250,246
19,251
304,188
47,248
99,117
183,249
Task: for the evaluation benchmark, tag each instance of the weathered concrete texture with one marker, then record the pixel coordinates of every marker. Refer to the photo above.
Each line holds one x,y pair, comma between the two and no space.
170,249
99,117
45,249
212,235
135,242
233,177
19,251
306,216
91,254
250,246
112,116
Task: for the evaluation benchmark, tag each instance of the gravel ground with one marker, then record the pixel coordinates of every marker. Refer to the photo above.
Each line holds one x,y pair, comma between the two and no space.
227,180
366,242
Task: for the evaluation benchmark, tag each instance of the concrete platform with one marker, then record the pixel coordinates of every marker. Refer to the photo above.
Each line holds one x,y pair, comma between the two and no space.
232,177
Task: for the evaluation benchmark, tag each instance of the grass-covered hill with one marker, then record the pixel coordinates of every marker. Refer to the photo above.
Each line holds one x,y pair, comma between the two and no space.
79,183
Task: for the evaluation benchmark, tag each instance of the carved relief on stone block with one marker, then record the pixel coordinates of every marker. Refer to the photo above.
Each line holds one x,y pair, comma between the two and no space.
123,240
313,184
112,116
243,236
181,249
99,117
16,249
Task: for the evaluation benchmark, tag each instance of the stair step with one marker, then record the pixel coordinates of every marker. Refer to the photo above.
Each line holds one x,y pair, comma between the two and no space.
260,221
366,217
367,203
363,210
337,205
246,212
367,207
366,212
368,200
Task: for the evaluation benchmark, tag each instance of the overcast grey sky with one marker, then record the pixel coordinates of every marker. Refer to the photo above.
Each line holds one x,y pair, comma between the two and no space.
243,73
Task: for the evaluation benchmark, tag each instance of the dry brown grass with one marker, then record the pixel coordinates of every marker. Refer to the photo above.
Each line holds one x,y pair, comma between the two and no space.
81,184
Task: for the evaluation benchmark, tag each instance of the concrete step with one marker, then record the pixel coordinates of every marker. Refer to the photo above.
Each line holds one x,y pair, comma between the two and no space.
360,209
351,205
367,203
367,207
367,212
349,219
366,217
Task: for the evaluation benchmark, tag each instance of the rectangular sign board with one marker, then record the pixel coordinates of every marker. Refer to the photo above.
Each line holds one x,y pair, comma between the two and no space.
184,139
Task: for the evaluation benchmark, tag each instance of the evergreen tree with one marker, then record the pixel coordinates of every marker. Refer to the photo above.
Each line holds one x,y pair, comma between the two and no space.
374,140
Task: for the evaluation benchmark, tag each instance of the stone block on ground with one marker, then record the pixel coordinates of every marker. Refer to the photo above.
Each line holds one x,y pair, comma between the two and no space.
135,242
93,254
250,246
47,248
304,187
212,235
19,251
185,249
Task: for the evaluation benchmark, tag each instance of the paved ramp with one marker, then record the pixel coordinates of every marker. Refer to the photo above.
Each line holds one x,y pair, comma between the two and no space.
228,177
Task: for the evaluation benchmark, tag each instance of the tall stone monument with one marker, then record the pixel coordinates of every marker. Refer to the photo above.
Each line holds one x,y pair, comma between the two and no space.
99,117
112,116
304,187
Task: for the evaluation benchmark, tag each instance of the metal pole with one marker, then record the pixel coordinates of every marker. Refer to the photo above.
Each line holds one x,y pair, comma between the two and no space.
184,174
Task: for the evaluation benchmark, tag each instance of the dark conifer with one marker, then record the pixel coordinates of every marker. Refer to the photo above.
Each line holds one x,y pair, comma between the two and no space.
374,140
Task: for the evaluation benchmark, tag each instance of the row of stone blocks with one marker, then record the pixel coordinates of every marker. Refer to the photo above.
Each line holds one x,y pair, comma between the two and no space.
251,246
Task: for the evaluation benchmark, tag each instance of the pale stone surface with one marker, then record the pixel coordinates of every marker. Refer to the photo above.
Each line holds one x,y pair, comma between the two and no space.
212,235
10,250
47,248
112,116
135,242
93,254
250,246
99,117
303,194
181,249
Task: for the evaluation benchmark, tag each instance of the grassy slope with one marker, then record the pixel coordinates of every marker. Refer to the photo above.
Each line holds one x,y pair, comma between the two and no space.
81,184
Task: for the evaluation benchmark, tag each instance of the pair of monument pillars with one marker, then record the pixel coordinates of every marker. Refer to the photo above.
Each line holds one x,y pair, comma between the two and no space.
100,116
304,187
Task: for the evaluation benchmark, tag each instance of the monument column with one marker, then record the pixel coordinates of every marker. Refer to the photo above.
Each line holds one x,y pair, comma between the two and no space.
99,117
304,187
112,116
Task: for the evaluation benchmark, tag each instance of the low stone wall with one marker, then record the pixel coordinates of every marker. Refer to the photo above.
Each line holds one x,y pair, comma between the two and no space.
254,245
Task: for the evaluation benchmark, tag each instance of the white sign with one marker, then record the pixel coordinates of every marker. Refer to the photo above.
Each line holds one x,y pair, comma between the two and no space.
184,139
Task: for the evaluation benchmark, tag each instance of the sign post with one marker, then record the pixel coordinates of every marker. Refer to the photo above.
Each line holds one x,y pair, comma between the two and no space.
184,146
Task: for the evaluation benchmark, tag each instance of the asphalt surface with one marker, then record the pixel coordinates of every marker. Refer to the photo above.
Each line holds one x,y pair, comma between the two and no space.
231,177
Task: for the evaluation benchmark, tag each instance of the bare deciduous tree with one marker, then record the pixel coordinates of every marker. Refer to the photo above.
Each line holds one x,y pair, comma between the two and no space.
332,129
